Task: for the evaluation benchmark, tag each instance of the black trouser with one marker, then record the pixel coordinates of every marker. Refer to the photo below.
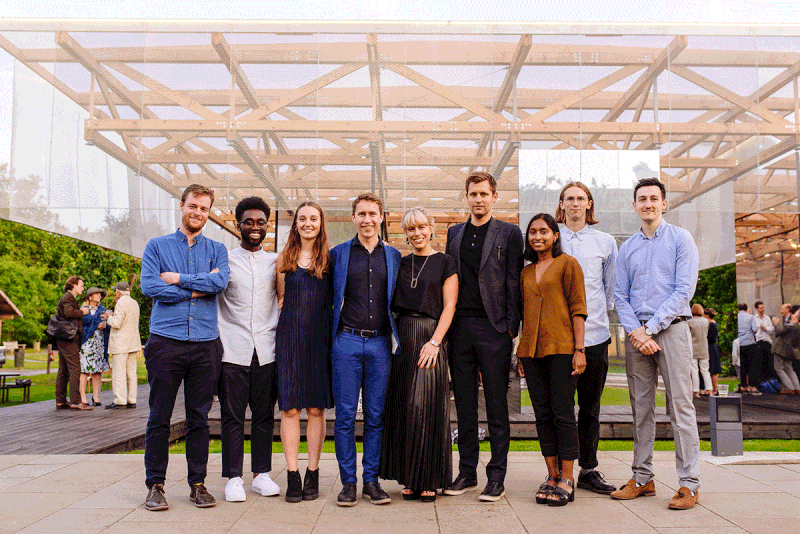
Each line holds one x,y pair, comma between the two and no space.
477,346
170,362
767,366
590,388
239,386
552,390
69,370
750,365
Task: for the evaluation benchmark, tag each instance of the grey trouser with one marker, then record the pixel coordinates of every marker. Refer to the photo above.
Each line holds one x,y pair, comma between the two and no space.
675,362
785,371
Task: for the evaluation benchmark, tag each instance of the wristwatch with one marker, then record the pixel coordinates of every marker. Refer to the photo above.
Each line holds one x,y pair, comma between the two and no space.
648,331
435,343
581,350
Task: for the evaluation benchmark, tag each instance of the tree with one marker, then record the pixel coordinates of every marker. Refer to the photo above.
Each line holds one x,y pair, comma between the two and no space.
36,299
716,288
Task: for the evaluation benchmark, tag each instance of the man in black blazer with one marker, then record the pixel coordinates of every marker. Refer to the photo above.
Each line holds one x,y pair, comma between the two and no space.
488,253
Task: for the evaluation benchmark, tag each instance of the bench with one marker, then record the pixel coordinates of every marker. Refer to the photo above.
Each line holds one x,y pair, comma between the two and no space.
20,383
26,391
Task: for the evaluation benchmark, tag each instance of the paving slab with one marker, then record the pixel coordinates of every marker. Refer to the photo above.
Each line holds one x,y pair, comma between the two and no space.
734,498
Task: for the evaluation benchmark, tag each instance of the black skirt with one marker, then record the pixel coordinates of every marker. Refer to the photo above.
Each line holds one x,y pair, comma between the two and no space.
416,449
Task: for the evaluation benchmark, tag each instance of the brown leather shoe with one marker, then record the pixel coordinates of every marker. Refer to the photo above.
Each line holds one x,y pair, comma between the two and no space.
81,406
684,500
201,497
155,498
630,491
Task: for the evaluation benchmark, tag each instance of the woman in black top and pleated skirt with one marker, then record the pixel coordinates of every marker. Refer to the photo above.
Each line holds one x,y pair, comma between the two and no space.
416,441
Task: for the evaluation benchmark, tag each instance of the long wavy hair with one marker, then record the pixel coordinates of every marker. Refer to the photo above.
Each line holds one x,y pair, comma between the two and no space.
291,253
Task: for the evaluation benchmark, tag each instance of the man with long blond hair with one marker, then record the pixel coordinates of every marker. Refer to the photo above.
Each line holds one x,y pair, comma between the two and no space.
596,253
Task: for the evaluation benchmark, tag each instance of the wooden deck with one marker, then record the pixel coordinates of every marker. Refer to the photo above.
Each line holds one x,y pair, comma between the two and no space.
38,428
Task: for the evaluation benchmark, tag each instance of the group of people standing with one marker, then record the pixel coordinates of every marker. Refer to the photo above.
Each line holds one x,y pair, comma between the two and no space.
103,338
315,327
759,359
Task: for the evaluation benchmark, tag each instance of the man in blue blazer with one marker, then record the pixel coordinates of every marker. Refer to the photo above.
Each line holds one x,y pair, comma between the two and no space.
488,253
364,276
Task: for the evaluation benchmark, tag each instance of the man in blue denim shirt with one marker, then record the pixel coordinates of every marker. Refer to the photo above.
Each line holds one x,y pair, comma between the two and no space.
182,272
656,276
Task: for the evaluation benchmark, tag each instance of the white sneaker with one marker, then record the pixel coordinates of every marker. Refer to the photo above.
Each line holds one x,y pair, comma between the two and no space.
234,490
264,485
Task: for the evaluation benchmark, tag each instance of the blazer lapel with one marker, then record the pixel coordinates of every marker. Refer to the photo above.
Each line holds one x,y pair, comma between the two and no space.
488,244
457,238
390,273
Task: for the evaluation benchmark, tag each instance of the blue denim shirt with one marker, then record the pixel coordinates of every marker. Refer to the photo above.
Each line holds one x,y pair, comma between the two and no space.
176,314
656,278
746,335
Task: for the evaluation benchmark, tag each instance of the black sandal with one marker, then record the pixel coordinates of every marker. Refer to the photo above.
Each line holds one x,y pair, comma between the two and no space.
413,496
545,490
559,496
427,498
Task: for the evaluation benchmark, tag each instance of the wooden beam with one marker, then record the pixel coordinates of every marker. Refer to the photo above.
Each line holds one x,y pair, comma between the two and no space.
250,159
731,174
150,126
744,103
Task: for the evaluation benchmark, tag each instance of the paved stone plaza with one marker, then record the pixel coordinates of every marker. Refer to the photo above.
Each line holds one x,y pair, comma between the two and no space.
104,493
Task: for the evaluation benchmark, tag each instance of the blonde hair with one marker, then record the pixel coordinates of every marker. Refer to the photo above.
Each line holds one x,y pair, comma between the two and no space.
697,310
417,216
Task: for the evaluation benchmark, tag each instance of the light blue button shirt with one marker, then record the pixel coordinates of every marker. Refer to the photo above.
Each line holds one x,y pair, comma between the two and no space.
176,314
746,334
656,278
596,253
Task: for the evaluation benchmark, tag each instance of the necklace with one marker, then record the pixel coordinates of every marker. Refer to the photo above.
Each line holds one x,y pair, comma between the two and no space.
415,279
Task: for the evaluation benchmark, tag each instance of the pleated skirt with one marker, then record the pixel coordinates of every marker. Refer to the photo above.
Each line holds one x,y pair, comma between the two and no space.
416,450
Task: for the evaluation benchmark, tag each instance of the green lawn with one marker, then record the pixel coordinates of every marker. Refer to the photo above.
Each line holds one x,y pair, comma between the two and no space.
779,445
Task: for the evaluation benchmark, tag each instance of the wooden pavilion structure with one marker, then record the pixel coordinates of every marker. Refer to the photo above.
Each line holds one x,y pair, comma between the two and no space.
295,110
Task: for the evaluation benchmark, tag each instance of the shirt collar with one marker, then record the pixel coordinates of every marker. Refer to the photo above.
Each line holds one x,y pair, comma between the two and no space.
182,237
356,242
580,234
662,225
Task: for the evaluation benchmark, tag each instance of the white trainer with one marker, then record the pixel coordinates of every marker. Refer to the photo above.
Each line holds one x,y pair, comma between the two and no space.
234,490
264,485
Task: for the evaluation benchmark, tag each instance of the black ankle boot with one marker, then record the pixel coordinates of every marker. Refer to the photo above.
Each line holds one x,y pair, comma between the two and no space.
294,487
311,485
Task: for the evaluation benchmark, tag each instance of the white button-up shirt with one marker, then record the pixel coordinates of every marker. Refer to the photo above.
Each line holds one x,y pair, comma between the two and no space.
766,322
596,253
248,308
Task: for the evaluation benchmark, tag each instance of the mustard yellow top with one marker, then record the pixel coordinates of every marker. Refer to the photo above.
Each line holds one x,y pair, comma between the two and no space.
549,306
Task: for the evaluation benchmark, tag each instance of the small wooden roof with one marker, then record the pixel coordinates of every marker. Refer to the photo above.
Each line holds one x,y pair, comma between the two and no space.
7,308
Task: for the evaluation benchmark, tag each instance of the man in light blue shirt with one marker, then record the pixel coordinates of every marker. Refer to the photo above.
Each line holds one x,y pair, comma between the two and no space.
748,351
183,273
656,276
596,253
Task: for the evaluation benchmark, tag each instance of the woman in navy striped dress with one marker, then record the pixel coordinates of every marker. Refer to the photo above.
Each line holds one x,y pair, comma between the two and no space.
302,347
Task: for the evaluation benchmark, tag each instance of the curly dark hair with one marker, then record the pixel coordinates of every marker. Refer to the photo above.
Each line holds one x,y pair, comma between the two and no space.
531,254
251,203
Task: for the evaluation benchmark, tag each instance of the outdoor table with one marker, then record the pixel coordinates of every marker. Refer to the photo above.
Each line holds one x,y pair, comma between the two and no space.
3,389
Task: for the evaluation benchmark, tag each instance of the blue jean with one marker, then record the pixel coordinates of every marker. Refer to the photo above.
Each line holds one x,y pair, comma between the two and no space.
359,363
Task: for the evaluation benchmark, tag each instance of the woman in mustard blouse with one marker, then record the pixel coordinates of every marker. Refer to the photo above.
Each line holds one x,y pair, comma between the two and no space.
551,351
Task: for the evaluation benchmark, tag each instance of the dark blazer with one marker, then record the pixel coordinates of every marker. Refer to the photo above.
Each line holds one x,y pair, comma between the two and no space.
340,260
787,339
68,309
498,279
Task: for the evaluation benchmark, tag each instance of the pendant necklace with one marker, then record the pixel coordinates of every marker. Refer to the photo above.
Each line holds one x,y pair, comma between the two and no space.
415,279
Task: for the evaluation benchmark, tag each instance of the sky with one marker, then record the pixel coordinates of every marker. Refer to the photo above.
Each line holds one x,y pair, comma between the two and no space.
696,11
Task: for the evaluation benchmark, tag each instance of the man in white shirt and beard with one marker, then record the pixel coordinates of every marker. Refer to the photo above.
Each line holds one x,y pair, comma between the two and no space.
248,318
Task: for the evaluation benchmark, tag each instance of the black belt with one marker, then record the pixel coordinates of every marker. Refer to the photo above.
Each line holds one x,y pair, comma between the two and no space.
677,320
365,333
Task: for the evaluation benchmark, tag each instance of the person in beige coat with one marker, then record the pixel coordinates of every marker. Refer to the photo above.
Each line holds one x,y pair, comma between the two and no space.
698,326
124,347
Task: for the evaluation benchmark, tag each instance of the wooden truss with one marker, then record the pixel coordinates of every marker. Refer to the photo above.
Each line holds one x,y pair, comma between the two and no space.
258,136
